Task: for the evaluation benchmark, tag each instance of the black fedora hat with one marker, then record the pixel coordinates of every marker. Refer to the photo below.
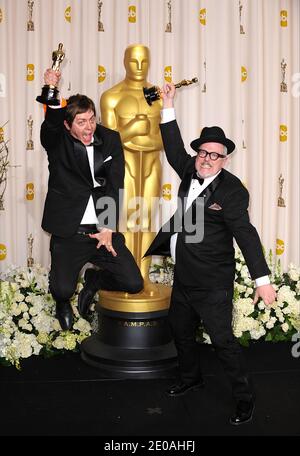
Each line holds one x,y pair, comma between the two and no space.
213,134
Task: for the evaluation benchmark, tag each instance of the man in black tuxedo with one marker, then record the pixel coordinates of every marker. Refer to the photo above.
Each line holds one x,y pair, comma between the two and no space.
205,266
86,172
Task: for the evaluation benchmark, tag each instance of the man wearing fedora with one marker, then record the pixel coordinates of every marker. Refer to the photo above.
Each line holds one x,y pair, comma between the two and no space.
205,268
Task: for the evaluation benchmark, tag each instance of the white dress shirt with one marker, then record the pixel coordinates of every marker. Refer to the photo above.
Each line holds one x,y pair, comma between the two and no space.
89,216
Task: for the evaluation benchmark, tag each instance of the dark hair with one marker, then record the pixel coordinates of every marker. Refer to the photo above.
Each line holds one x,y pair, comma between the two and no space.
77,104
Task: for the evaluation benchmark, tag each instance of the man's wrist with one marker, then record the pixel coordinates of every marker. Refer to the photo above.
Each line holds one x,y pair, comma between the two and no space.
260,281
103,229
62,104
167,115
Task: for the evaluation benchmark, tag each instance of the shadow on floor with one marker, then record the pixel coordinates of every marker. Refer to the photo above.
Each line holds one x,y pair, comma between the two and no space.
63,396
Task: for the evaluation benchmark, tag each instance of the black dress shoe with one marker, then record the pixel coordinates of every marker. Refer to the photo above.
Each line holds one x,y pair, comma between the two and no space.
181,388
243,413
64,314
85,299
86,296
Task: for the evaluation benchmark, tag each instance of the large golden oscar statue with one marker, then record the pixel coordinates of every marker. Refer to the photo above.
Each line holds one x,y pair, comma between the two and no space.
124,108
134,339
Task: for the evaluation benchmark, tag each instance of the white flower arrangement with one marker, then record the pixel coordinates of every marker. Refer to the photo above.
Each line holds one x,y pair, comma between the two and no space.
28,325
163,272
276,323
271,323
27,317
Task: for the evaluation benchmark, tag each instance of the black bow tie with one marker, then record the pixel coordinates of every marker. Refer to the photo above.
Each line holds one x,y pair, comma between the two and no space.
96,142
200,179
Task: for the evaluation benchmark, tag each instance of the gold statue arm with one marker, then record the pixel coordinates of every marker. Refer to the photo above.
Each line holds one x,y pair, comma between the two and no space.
136,133
138,126
108,116
141,133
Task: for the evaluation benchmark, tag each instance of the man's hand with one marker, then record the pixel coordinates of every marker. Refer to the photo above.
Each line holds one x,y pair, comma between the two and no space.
167,94
266,293
104,238
52,77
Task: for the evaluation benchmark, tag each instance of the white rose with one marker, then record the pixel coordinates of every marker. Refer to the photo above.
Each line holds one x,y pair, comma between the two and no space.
294,275
271,323
285,327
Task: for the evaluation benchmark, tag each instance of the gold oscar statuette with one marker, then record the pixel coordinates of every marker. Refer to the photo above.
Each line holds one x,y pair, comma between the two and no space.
123,106
30,260
4,164
281,202
243,133
49,95
204,85
153,93
134,330
283,84
100,24
29,144
30,24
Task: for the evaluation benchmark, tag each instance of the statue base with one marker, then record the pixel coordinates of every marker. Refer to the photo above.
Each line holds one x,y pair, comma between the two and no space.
154,297
133,339
49,96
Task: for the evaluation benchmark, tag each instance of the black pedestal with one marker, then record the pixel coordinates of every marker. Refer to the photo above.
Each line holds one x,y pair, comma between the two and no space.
49,96
131,345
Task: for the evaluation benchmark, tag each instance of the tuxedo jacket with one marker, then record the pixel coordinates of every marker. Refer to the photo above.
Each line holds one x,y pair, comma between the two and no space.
208,263
70,182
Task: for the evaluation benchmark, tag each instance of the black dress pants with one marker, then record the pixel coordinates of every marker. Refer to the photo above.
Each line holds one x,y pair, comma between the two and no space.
69,255
214,308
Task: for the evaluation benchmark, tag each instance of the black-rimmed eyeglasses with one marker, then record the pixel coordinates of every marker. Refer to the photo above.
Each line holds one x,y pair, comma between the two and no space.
212,155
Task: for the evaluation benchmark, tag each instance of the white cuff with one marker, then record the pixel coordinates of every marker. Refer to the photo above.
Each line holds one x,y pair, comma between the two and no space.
167,115
264,280
58,106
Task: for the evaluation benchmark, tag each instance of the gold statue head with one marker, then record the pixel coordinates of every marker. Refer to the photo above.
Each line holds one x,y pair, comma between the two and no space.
136,62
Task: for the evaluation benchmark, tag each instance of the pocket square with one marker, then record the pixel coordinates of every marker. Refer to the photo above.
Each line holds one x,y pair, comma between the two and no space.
215,207
107,159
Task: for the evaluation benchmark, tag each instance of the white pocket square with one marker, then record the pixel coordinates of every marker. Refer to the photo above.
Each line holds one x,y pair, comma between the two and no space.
215,207
107,159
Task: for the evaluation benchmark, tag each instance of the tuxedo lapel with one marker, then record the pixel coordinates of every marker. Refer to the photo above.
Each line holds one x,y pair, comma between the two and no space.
184,188
97,140
208,191
98,164
186,182
82,161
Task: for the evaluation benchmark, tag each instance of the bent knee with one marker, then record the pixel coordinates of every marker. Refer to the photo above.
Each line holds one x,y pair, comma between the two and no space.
135,286
61,293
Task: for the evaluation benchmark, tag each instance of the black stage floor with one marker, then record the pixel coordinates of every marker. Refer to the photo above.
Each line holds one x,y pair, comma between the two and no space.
63,396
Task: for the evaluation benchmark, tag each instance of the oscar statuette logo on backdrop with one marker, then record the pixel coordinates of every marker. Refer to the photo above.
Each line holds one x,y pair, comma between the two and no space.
29,143
100,23
30,24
